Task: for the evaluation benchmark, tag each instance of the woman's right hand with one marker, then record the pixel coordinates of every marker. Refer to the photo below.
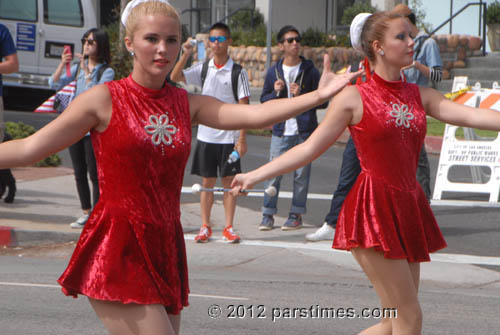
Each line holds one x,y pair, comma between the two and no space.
241,182
187,47
66,58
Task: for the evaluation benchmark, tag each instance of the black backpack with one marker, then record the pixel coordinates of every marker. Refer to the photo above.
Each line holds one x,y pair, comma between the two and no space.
235,74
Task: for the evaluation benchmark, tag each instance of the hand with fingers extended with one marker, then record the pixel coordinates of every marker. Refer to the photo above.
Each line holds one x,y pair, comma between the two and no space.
331,83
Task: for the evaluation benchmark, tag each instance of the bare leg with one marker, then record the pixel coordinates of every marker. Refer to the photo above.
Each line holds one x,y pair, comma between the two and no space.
175,321
396,284
121,319
207,200
229,201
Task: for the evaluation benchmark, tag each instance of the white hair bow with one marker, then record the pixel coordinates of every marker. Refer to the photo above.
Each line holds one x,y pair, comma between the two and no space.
356,28
131,6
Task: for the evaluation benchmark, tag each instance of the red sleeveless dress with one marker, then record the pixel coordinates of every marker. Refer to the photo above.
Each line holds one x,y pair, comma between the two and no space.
387,209
132,247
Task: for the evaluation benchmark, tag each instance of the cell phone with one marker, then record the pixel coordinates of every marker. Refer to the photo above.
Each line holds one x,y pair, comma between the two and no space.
67,50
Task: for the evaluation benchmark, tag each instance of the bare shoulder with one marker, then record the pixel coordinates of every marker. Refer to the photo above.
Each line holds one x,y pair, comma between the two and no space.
348,99
96,102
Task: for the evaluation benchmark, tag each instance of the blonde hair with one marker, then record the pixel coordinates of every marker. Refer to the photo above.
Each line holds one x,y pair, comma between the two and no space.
148,8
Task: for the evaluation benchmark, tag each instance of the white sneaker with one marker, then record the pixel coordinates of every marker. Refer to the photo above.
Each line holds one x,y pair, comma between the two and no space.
82,220
326,232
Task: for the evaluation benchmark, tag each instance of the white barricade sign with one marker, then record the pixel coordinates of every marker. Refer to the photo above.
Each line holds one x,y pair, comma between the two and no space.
474,152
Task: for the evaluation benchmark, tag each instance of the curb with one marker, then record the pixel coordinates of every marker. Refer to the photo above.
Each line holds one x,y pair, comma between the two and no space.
31,238
12,237
5,236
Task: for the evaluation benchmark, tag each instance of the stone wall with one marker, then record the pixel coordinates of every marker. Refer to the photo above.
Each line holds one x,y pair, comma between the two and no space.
454,51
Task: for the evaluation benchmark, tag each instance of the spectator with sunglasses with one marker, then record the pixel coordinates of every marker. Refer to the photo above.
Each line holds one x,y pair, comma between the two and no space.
225,80
291,76
91,69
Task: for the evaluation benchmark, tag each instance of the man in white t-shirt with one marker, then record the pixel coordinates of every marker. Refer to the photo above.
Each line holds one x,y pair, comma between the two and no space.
217,77
291,76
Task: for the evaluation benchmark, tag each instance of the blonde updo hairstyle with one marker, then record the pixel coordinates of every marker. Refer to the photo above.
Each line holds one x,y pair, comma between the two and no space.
149,8
375,29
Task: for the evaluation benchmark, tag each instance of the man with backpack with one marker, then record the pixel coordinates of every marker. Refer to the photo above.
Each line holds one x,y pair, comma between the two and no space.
227,81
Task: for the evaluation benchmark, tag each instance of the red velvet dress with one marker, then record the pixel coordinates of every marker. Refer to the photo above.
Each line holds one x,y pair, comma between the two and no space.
387,209
132,247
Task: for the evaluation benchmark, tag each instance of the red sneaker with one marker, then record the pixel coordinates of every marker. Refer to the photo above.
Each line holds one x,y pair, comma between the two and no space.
230,236
204,234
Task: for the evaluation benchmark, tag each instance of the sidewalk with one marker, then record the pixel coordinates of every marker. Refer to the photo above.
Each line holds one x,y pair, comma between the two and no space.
47,202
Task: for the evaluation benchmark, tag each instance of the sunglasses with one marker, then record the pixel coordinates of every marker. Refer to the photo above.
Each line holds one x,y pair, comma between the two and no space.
291,39
220,39
89,41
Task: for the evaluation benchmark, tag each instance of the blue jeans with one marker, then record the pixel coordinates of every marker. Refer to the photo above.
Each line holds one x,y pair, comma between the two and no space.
349,172
301,177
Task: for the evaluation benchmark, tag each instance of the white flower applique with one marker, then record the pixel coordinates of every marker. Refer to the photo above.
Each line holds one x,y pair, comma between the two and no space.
159,129
402,115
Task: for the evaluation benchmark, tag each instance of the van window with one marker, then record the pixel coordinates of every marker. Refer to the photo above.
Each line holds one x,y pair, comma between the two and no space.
19,10
63,12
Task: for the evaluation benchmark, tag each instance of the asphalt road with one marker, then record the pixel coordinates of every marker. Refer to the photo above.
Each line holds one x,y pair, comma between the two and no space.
241,289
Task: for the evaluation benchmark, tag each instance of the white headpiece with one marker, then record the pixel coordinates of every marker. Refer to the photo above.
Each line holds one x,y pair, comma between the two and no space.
131,5
356,28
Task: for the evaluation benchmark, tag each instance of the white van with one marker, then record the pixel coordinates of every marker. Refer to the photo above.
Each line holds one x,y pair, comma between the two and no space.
40,29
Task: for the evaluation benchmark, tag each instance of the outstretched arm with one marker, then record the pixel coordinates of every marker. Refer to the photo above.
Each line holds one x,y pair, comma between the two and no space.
344,109
437,106
91,109
215,114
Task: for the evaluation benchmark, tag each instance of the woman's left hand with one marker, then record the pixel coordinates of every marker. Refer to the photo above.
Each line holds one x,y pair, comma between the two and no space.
331,83
83,64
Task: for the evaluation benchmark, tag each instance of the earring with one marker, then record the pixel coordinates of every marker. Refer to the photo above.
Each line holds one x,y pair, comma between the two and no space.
132,53
381,52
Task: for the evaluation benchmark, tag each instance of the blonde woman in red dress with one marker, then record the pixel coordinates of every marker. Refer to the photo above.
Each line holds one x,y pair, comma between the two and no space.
386,221
130,260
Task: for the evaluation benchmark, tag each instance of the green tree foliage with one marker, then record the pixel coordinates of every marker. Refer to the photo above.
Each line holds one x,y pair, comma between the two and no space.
248,28
493,13
246,19
351,11
121,61
417,8
316,38
20,130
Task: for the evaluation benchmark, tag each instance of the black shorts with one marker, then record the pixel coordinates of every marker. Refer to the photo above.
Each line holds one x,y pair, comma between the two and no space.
210,160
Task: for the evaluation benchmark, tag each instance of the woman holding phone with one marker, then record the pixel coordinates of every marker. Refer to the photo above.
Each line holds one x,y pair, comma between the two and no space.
92,69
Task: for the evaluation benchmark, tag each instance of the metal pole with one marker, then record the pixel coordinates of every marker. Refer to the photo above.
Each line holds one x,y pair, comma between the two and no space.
480,16
451,15
326,16
334,16
213,12
484,29
269,34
